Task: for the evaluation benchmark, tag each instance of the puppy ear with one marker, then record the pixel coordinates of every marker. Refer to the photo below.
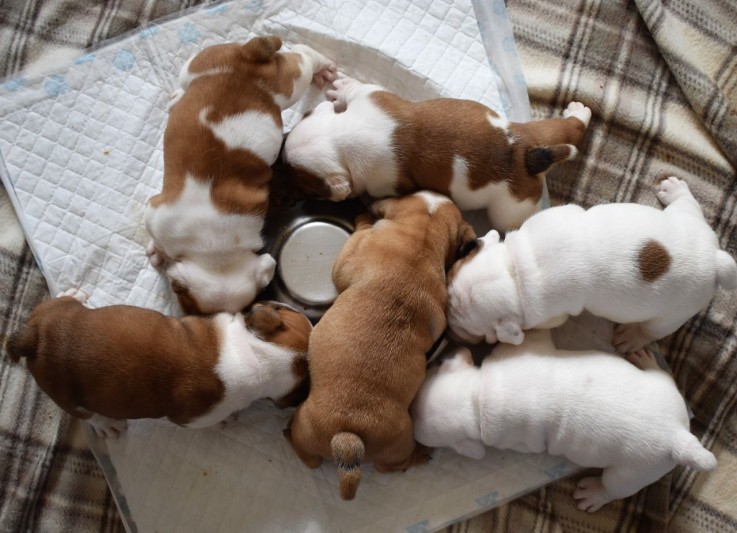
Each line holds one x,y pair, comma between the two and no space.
467,240
540,159
262,49
383,208
491,238
510,332
265,270
263,319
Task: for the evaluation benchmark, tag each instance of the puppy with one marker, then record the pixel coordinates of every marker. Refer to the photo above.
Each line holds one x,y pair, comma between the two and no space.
224,132
367,353
647,269
372,141
114,363
594,408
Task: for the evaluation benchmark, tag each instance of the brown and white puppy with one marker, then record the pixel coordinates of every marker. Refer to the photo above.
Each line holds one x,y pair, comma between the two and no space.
372,141
224,132
367,353
110,364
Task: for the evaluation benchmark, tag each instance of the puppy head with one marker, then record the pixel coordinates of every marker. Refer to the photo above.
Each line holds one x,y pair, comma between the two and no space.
435,210
483,302
438,411
204,287
281,325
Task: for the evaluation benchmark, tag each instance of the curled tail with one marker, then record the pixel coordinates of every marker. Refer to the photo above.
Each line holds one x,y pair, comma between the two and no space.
688,451
348,452
21,343
726,271
542,158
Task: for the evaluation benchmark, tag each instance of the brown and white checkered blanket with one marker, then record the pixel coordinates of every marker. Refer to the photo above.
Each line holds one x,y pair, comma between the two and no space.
661,78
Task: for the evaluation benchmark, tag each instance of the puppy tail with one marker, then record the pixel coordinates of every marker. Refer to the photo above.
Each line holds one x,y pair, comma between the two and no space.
726,271
348,451
688,451
22,343
540,159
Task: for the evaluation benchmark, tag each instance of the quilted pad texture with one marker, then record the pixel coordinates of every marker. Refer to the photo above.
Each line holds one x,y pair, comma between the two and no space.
82,152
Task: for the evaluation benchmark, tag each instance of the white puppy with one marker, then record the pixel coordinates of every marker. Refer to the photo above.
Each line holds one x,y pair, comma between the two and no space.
594,408
646,269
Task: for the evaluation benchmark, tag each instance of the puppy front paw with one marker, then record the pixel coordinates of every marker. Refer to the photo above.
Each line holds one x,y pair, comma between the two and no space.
339,95
78,295
643,359
629,338
579,111
326,74
340,188
155,257
671,189
591,493
107,427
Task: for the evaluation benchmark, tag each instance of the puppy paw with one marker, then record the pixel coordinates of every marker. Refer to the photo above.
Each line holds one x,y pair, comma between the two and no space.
175,97
78,295
579,111
155,257
671,189
629,338
339,95
326,74
107,427
591,494
643,359
340,188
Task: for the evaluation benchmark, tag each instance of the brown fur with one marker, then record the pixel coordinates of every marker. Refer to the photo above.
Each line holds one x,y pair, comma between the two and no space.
431,133
128,362
653,260
240,178
367,353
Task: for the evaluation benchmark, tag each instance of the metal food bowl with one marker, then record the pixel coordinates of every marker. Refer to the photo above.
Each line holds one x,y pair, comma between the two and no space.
305,240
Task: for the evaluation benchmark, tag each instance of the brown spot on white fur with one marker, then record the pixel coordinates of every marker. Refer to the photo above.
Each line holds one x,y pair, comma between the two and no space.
653,260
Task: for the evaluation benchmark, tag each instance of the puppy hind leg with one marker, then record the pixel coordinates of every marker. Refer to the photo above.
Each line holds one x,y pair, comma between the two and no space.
675,195
403,451
616,482
296,434
631,337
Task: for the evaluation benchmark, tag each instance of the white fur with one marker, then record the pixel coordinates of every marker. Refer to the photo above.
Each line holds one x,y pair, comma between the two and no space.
565,259
433,200
594,408
211,253
254,131
249,368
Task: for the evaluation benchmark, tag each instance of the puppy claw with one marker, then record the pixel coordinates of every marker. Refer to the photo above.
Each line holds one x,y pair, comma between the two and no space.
629,338
78,295
326,75
643,359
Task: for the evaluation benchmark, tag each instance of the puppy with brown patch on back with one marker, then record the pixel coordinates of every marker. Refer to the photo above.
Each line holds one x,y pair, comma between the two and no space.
371,141
367,353
223,134
121,362
647,269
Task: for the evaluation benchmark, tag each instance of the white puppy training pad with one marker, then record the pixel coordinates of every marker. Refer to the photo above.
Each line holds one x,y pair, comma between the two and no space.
82,152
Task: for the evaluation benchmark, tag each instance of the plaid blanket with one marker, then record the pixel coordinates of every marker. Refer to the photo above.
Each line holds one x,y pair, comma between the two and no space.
661,78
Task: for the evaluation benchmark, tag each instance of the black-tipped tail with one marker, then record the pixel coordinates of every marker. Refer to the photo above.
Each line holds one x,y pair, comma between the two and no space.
540,159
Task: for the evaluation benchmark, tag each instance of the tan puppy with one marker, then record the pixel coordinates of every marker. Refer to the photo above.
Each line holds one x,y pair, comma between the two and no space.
114,363
372,141
367,353
224,132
